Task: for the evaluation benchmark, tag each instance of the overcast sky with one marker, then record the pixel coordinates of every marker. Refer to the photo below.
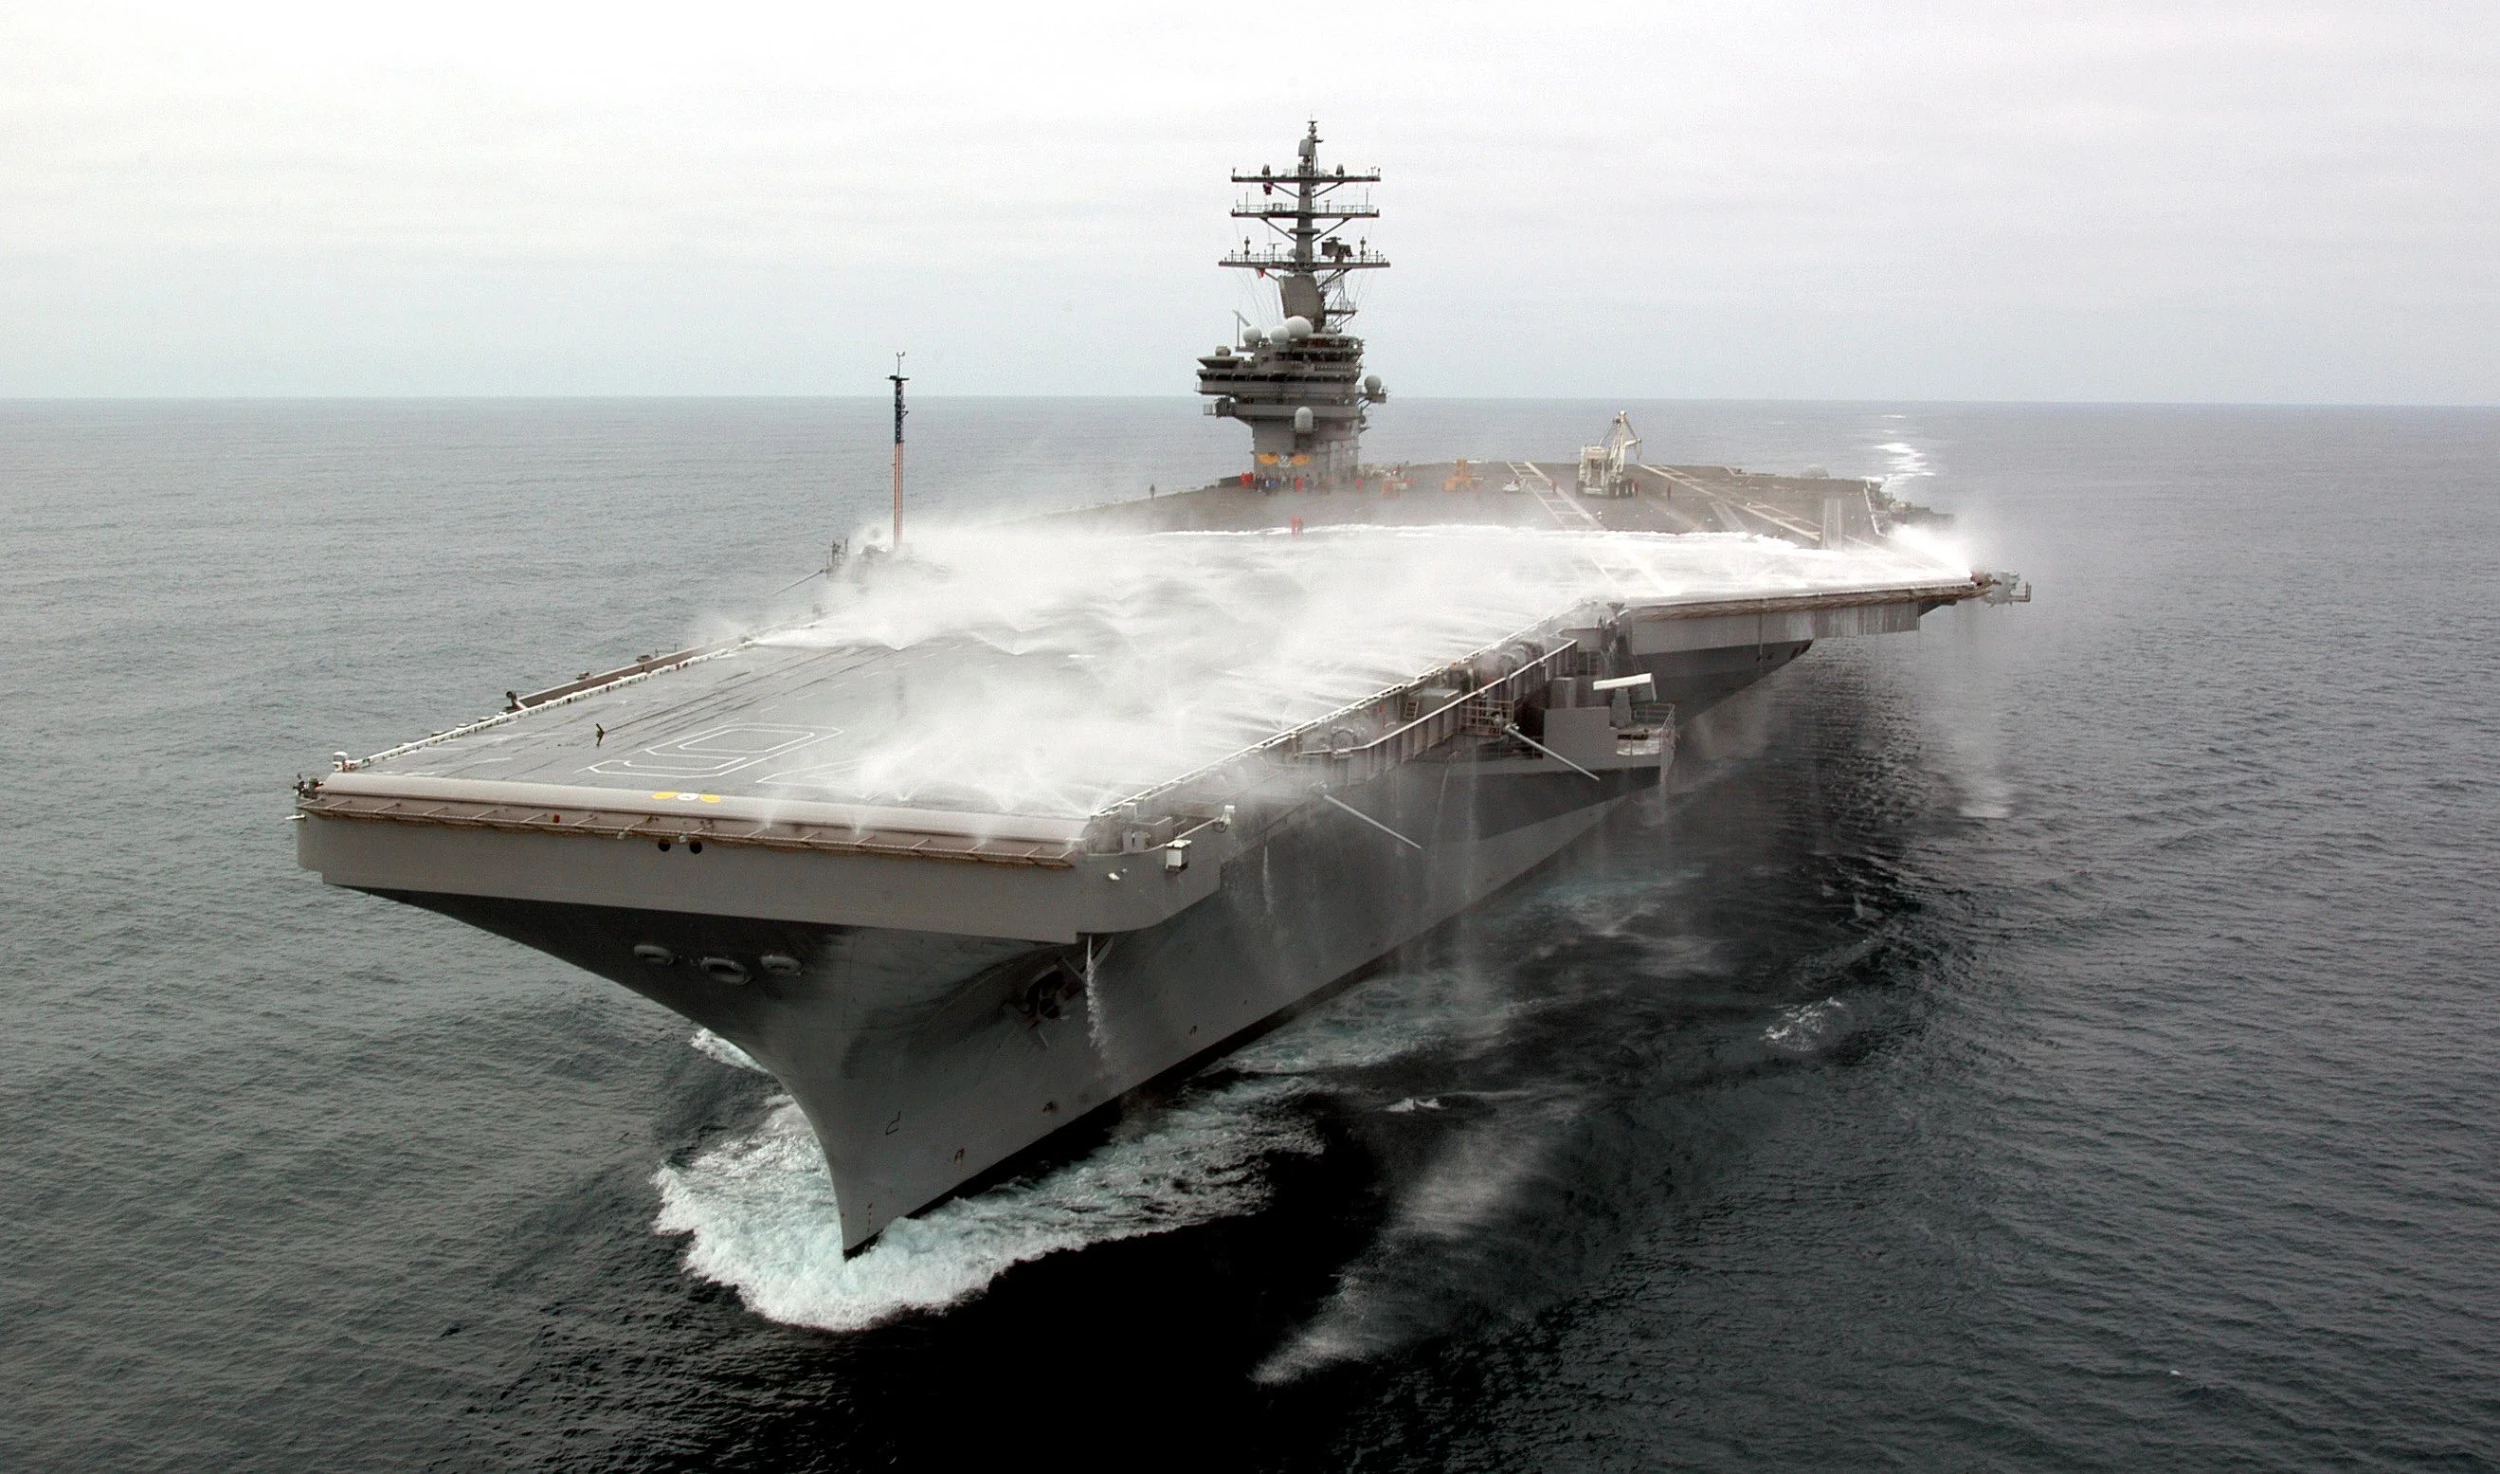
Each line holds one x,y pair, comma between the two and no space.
2279,201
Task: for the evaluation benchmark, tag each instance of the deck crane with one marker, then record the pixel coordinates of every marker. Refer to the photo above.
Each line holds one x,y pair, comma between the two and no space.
1602,467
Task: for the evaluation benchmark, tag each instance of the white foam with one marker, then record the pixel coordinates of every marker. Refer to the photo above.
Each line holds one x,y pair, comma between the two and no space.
760,1208
1808,1027
708,1043
1125,660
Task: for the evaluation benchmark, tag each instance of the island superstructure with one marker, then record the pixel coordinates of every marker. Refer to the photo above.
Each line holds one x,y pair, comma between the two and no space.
1300,385
946,968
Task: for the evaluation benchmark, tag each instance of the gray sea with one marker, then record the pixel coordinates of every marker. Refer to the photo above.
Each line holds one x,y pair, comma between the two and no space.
2067,1038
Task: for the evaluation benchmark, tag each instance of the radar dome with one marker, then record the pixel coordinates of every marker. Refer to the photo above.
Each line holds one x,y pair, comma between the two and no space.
1297,327
1253,337
1371,383
1302,420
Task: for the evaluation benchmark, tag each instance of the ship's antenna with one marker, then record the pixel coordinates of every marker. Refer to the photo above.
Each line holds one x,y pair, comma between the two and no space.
899,381
1308,260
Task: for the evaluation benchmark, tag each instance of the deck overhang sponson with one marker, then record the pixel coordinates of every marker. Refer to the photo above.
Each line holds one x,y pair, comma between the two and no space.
694,805
452,854
1723,624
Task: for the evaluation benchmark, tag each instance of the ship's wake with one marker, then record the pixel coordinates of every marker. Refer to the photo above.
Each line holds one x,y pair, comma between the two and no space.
759,1208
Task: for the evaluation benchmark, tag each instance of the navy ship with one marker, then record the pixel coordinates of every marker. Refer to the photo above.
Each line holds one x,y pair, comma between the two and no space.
961,878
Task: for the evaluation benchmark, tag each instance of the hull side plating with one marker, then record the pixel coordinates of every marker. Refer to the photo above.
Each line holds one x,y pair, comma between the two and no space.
925,1060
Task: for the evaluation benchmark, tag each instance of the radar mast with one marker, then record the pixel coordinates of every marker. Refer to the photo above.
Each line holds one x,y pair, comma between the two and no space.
1312,265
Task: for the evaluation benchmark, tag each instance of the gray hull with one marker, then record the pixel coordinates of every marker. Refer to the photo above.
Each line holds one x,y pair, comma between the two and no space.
926,1060
941,992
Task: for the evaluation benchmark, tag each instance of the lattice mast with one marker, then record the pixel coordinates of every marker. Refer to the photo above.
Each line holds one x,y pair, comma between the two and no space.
900,380
1300,386
1311,267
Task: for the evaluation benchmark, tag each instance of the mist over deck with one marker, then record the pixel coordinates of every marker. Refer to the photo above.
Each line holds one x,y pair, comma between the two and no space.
1007,685
1812,510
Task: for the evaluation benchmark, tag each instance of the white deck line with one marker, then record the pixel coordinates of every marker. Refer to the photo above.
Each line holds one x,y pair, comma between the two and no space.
500,718
1027,828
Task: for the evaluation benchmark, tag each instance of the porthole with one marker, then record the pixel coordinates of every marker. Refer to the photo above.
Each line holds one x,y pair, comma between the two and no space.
724,969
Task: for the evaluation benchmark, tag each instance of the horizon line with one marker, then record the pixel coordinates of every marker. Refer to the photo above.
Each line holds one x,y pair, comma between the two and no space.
882,397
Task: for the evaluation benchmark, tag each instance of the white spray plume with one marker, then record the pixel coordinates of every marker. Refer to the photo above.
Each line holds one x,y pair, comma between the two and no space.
1064,671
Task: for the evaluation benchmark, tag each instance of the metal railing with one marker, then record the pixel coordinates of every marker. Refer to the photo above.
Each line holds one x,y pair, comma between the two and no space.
1488,708
1277,258
1407,740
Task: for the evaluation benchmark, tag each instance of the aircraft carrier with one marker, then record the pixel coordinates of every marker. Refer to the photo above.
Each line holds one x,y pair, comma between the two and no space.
945,967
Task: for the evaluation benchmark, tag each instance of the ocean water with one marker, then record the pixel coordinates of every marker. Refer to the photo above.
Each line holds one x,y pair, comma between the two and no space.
2065,1038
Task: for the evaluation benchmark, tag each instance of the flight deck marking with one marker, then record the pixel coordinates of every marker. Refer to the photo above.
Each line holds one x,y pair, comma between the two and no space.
713,753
